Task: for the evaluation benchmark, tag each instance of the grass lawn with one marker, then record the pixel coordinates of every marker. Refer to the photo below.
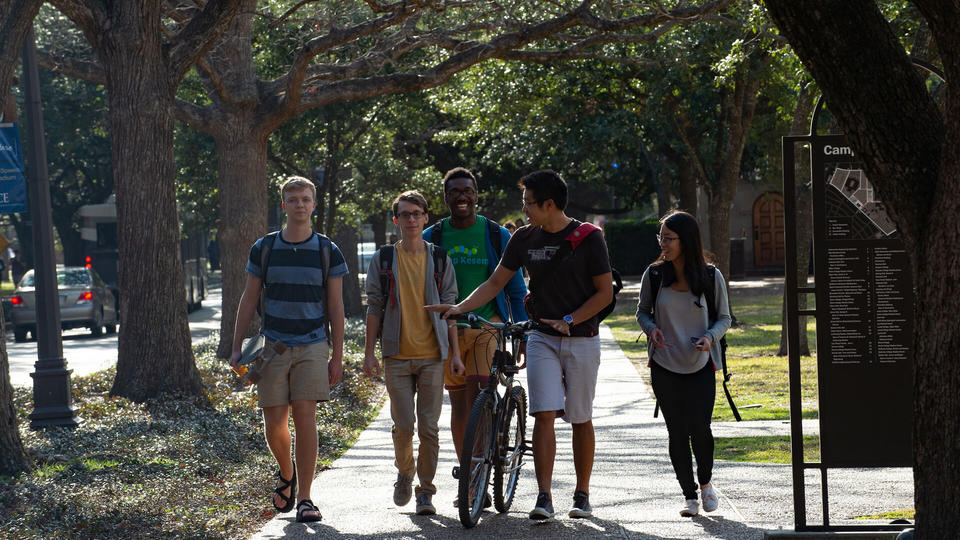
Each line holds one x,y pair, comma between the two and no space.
172,468
760,383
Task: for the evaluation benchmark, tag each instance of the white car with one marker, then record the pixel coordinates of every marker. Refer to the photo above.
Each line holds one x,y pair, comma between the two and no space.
85,301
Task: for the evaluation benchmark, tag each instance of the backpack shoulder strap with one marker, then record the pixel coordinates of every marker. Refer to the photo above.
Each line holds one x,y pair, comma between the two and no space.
711,293
436,234
493,229
325,247
387,280
656,279
580,234
266,248
439,264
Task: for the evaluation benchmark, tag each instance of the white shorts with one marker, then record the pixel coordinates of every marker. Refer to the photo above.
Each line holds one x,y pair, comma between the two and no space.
562,375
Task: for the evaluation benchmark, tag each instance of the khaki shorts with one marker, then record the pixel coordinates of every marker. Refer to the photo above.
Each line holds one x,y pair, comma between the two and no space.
295,374
476,351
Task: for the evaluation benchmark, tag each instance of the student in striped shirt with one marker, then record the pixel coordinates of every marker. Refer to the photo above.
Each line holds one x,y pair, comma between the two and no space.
294,370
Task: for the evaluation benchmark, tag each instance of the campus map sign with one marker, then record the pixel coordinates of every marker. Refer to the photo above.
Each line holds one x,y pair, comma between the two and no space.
13,185
865,317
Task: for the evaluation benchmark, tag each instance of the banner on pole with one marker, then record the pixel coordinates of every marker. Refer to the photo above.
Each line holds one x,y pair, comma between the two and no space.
13,183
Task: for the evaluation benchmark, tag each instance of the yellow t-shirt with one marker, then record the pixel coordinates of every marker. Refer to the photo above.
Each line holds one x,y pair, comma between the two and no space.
416,330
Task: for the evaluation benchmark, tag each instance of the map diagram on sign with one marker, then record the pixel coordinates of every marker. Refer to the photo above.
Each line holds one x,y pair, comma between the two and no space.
854,186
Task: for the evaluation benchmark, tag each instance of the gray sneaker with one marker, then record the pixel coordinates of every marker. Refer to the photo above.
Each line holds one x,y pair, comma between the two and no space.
581,505
424,506
402,489
543,509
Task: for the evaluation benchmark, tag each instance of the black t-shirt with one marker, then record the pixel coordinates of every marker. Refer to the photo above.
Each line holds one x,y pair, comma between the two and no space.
559,287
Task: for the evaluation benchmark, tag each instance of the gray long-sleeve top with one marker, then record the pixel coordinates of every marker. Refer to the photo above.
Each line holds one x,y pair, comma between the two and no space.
648,320
389,309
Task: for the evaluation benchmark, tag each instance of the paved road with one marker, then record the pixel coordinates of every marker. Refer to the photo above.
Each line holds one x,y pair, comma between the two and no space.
633,491
86,354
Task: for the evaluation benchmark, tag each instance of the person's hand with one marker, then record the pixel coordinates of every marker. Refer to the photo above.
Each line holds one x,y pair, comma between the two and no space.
448,310
235,359
559,325
656,336
456,365
522,355
371,365
702,344
335,368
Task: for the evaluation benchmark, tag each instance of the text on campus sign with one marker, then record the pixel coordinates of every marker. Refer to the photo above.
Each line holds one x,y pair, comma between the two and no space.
13,185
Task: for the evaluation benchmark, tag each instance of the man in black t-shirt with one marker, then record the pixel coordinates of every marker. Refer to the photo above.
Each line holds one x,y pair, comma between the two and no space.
567,291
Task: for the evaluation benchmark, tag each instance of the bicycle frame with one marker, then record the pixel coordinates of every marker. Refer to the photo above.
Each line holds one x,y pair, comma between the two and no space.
496,448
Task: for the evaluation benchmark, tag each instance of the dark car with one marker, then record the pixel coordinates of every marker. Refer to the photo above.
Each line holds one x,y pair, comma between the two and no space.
85,301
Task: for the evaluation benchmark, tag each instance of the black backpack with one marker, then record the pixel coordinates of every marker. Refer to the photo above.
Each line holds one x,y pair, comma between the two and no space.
656,278
388,280
569,246
493,228
266,248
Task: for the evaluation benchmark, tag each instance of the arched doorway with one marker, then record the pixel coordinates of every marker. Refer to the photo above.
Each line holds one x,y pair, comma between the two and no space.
768,239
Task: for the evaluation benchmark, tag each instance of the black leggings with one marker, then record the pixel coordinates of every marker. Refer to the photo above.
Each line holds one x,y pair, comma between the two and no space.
686,401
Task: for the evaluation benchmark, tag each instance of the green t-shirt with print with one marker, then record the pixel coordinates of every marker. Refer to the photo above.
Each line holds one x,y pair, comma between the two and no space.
468,251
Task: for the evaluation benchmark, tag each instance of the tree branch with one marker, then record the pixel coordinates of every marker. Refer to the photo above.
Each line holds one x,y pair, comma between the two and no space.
73,67
199,35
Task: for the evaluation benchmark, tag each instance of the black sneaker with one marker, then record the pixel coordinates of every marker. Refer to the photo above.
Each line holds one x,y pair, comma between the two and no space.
581,505
543,509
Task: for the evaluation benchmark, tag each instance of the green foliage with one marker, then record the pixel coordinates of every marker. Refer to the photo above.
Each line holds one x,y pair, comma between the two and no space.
632,244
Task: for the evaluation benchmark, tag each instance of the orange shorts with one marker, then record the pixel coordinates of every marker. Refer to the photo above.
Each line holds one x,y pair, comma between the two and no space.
476,351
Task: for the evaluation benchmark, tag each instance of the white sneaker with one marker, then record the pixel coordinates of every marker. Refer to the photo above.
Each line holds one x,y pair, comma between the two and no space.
709,498
691,508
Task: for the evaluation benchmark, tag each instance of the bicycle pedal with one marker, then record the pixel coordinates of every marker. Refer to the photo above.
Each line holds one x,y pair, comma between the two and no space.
456,472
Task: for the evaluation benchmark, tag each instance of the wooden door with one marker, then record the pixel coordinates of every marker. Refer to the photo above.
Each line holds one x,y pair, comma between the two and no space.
768,239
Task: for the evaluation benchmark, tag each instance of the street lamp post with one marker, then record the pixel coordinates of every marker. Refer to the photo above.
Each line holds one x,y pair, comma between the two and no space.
52,401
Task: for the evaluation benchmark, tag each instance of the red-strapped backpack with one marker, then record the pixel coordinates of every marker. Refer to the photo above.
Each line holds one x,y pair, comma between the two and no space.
571,242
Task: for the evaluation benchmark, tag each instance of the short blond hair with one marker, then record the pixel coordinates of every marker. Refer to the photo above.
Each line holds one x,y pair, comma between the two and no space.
297,182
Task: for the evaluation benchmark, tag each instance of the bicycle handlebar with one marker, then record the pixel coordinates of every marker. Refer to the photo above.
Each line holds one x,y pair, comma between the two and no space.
510,329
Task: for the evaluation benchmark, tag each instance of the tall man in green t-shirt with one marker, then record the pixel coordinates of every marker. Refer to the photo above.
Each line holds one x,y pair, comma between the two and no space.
474,244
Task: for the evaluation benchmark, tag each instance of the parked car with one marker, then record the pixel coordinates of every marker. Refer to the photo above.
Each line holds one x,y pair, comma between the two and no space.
85,301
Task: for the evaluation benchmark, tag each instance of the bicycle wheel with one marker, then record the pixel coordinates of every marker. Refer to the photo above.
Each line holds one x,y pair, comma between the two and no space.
510,449
476,459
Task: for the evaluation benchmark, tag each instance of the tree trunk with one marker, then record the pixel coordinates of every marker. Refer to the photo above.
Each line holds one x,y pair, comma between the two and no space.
16,19
664,203
719,219
12,458
911,153
242,161
346,239
154,354
687,187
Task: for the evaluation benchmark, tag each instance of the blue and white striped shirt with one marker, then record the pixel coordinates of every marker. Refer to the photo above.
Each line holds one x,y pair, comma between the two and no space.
293,297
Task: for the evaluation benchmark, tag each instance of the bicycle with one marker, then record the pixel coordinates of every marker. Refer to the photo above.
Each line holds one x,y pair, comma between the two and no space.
496,429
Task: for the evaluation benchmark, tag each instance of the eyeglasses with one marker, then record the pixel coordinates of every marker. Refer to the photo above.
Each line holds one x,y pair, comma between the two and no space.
666,239
466,192
408,215
529,203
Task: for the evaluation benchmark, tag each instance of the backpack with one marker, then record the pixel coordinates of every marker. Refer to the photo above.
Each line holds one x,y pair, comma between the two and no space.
388,280
656,279
266,248
493,230
571,242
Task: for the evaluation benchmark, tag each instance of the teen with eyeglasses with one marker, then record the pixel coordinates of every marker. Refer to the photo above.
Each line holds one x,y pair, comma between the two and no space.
401,279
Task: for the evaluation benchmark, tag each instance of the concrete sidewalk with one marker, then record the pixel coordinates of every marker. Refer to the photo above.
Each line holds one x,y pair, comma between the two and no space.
633,490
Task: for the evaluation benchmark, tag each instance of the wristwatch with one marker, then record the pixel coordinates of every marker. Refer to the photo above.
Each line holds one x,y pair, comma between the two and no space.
568,319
